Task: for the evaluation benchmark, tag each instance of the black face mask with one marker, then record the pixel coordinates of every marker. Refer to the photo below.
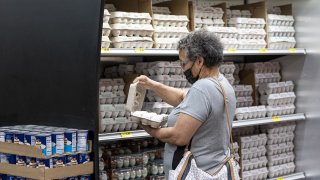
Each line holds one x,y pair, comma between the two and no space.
189,75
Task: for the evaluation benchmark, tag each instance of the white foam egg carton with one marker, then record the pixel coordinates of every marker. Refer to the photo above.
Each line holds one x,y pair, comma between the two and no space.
110,7
251,33
280,170
277,99
115,97
274,149
149,119
252,43
161,10
170,20
251,112
227,68
105,42
230,43
166,43
106,16
280,20
272,88
280,110
172,32
249,23
208,12
267,67
117,125
281,31
158,107
119,17
135,98
243,90
244,101
267,77
132,42
224,32
113,111
253,141
280,138
256,174
144,30
281,42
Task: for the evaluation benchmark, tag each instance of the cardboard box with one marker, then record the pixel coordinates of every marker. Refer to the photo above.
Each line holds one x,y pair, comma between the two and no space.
140,6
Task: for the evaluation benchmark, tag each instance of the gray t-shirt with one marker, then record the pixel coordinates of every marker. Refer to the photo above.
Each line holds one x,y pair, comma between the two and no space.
204,102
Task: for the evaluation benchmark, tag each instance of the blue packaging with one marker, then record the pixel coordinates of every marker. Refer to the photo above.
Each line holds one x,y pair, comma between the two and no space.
20,178
9,136
59,161
43,142
82,141
70,141
73,178
85,177
9,177
19,137
11,159
3,177
83,158
31,162
44,163
30,138
20,160
72,159
57,142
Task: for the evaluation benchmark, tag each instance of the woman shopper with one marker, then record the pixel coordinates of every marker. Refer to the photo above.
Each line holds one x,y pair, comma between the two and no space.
200,116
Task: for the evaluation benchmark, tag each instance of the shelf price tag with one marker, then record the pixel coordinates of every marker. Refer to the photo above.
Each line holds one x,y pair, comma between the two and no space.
105,50
232,50
139,50
262,50
126,134
276,118
280,178
292,50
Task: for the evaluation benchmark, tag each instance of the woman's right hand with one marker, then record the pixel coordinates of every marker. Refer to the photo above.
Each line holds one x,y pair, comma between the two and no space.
146,82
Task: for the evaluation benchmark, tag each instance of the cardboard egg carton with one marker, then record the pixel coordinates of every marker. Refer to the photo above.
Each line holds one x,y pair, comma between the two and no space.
110,7
172,32
106,29
255,163
254,153
280,20
161,10
224,32
110,85
267,77
208,12
274,149
166,43
280,138
106,16
280,110
279,128
170,20
281,159
260,68
135,98
261,173
115,97
280,170
272,88
230,43
149,119
247,23
130,18
281,31
251,112
105,42
132,42
281,42
251,33
243,90
158,107
118,124
278,99
244,101
253,141
252,43
143,30
113,111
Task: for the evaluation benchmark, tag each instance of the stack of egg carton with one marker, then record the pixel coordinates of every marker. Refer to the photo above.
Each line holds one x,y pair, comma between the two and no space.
106,29
208,17
280,148
235,13
169,29
119,71
253,157
281,31
228,69
267,72
131,30
227,35
161,10
279,97
113,116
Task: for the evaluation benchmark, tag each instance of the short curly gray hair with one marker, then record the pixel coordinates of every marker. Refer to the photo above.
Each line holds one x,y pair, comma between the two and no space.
205,44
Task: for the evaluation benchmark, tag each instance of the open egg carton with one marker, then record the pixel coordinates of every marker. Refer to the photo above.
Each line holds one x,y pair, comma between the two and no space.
149,118
280,170
161,10
281,42
251,33
247,23
252,112
251,43
272,88
157,107
132,42
256,174
244,101
267,77
267,67
281,159
286,98
253,141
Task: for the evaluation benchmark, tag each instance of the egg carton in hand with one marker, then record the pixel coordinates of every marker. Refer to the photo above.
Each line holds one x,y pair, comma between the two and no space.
172,32
261,173
170,20
281,42
157,107
244,101
267,78
272,88
280,20
149,119
281,31
281,159
243,90
131,42
280,170
251,43
143,30
130,18
251,33
117,125
247,23
251,112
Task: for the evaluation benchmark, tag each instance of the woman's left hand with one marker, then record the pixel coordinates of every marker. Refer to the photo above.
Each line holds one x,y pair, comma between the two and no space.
149,129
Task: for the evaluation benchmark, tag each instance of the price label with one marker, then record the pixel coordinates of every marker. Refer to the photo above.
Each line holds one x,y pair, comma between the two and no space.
280,178
292,50
232,50
105,50
139,50
262,50
125,134
276,118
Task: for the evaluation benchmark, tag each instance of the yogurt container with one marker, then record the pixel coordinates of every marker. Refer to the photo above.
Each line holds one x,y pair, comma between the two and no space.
31,162
20,160
71,159
70,141
44,163
59,161
82,140
9,177
57,142
43,142
83,158
30,138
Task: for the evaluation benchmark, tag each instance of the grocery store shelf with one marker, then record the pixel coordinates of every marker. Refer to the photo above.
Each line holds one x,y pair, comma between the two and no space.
111,52
142,134
294,176
260,121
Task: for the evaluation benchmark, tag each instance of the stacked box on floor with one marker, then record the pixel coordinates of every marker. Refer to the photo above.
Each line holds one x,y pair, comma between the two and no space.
280,148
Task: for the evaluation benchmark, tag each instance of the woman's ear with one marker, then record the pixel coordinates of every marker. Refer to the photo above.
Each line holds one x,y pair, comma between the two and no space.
200,61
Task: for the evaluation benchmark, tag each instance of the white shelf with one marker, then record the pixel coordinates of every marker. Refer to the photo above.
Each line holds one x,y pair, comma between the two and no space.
112,52
236,124
294,176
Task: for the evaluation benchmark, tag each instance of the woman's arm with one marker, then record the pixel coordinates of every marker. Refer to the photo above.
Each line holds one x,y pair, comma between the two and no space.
170,95
180,134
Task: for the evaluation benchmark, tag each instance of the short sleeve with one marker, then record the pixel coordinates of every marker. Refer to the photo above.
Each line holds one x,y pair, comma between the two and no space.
196,104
